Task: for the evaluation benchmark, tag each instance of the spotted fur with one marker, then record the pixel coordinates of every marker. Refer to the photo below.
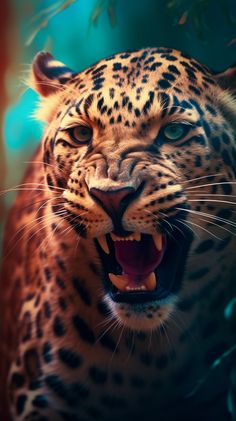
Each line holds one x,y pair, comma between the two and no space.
68,352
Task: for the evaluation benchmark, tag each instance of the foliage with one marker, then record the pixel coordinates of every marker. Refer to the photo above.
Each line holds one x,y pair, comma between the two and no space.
100,7
198,12
45,15
188,13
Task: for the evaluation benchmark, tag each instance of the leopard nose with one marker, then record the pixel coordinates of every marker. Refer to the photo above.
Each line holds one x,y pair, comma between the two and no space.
114,202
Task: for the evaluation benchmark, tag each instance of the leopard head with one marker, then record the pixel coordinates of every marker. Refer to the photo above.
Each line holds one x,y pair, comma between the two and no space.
138,142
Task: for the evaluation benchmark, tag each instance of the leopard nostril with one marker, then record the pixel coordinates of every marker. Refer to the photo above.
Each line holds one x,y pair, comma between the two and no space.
114,202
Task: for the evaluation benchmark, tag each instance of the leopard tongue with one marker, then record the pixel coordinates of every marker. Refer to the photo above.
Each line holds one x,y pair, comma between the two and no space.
138,261
130,282
138,257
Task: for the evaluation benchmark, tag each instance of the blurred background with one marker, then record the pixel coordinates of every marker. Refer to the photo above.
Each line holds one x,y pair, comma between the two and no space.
80,32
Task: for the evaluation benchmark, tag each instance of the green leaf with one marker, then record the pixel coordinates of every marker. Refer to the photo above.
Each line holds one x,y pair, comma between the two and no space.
231,403
97,11
230,310
55,10
112,12
225,360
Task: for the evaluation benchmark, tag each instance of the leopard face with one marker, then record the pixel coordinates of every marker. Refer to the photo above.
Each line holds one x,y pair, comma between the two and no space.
137,143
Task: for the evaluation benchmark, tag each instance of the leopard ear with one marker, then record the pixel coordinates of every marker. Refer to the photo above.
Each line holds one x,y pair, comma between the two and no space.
48,75
227,79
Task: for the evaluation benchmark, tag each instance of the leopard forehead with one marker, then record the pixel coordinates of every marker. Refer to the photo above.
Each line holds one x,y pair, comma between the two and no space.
159,69
138,82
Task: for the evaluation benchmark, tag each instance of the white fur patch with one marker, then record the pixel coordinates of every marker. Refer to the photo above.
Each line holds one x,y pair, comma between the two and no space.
47,107
55,63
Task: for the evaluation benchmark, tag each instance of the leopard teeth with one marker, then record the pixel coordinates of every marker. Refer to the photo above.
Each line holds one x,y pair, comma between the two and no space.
157,238
141,288
133,237
121,282
103,244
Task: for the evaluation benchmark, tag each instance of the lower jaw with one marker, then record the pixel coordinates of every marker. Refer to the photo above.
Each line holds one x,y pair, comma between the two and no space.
169,273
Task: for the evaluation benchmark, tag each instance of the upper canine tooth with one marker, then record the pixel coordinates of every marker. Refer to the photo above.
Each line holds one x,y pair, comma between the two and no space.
119,281
157,238
137,236
114,237
151,282
103,243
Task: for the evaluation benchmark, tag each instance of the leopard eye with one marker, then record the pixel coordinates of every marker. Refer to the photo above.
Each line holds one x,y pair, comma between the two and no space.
81,134
175,131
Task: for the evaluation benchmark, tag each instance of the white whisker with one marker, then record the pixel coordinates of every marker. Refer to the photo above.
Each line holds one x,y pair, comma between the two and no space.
227,202
210,216
199,226
202,177
211,184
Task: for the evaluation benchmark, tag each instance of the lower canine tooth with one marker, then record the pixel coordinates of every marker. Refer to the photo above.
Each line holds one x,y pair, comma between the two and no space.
158,241
103,243
150,282
119,281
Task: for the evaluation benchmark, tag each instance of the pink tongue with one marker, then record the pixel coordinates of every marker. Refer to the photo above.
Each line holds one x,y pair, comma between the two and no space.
138,258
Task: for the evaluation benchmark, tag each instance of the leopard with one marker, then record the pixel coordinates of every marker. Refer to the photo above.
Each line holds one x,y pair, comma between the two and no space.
118,256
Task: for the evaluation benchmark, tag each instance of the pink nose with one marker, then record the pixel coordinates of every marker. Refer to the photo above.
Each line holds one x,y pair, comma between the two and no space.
113,202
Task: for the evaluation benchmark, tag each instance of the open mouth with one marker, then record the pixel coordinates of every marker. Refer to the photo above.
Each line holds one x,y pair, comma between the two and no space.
140,267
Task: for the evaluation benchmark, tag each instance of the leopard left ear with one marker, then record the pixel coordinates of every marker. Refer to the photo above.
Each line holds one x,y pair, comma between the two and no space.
227,79
48,75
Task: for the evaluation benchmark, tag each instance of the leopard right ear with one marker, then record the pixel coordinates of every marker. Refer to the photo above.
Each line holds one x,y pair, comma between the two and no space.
227,79
48,75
